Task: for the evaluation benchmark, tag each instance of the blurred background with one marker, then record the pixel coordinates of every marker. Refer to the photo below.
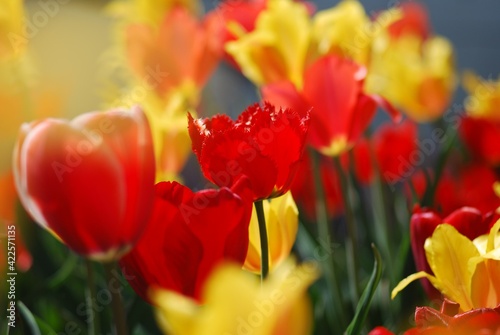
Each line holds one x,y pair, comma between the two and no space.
69,49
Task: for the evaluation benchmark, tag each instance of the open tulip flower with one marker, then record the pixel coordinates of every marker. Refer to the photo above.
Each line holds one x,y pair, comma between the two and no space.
341,110
236,303
447,322
411,68
465,271
264,144
467,221
282,218
188,235
90,181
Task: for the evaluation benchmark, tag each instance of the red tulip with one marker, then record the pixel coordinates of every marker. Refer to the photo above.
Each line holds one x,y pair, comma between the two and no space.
414,21
380,331
341,110
188,235
264,144
482,137
396,153
90,181
468,221
446,322
304,192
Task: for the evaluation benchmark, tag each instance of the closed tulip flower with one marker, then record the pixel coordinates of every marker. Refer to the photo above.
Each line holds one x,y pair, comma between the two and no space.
90,181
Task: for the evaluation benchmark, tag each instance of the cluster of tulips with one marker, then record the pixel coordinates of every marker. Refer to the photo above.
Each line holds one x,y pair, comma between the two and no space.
303,189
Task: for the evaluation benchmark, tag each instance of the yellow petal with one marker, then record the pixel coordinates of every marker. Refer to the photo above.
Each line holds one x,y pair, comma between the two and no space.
175,314
411,278
237,303
448,253
343,30
281,216
276,49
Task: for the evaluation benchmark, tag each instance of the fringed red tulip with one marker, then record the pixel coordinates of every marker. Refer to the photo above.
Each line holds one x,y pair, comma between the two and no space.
264,144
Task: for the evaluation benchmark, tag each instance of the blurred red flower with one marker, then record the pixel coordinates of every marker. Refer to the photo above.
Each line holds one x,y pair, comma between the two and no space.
264,144
414,21
304,192
341,110
470,185
468,221
89,181
482,138
396,153
187,236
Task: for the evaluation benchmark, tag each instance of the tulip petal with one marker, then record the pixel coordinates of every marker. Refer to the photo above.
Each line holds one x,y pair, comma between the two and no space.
447,252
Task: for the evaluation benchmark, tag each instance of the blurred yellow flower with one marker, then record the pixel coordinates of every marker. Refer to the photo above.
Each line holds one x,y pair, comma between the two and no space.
465,271
484,97
149,11
235,302
276,49
344,30
12,40
414,74
282,219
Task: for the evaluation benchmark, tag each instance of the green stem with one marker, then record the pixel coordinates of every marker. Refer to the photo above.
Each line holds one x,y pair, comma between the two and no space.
116,302
93,328
264,246
352,242
325,234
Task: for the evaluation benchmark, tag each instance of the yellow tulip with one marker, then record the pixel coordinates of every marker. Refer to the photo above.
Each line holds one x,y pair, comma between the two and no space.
414,74
235,302
465,271
282,219
345,30
276,49
484,97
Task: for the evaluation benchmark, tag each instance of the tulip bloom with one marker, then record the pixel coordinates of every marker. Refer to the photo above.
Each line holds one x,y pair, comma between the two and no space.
264,144
188,235
89,181
282,220
235,303
447,322
341,113
157,58
465,271
276,49
468,221
480,129
412,70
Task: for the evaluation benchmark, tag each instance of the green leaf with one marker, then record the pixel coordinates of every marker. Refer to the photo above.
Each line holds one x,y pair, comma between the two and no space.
29,318
364,303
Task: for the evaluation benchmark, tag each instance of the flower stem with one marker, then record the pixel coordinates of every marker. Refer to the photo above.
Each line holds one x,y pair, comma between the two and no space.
264,246
116,301
94,326
324,234
352,242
